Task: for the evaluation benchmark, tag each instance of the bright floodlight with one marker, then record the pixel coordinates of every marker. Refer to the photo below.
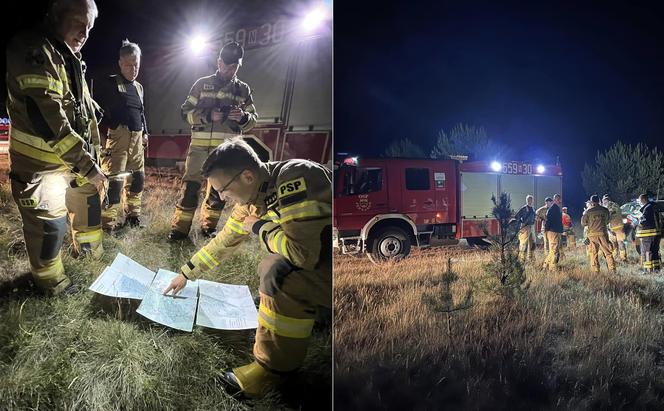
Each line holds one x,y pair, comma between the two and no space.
312,20
540,169
197,44
495,166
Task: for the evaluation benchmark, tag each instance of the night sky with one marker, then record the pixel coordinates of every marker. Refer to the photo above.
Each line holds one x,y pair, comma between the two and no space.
548,80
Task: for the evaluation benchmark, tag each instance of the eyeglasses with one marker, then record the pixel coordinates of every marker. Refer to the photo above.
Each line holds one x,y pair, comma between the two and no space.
229,183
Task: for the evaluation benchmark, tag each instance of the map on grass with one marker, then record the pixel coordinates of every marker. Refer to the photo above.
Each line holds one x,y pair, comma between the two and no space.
124,278
225,306
207,303
172,311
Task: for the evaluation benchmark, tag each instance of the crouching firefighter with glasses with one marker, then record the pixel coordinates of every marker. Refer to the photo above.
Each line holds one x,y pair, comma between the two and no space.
287,205
54,142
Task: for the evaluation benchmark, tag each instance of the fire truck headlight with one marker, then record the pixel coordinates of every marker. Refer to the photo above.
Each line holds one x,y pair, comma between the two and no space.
198,44
540,169
495,166
313,19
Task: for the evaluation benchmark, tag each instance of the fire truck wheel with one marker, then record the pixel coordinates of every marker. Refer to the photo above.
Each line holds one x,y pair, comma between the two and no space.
391,243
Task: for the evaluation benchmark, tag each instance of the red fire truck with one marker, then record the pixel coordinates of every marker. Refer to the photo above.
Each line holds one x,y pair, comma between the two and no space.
385,206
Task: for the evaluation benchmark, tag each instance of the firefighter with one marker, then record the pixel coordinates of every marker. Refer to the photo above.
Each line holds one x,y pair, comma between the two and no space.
649,231
121,97
218,107
526,218
559,201
54,141
616,229
287,205
540,213
596,219
553,228
568,230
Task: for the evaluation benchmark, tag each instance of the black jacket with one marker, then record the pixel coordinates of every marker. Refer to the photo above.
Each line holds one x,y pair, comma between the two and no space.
525,216
554,219
648,226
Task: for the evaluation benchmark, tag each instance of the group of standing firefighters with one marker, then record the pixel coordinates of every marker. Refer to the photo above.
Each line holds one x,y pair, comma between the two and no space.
62,172
604,232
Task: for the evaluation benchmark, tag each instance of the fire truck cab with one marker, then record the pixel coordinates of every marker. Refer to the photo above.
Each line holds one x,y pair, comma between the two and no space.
383,207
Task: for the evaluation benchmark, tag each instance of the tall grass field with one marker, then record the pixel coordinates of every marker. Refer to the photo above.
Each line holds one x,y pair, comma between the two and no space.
88,352
571,339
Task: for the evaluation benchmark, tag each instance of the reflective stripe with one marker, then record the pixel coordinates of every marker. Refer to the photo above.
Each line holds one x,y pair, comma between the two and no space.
190,117
283,325
51,271
208,255
197,142
278,244
201,256
135,201
235,226
215,135
33,153
272,216
44,82
184,215
32,146
595,233
89,237
208,94
66,144
305,209
647,233
192,100
617,227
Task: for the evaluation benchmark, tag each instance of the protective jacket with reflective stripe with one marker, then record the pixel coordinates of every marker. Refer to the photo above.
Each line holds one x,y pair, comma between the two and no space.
210,93
649,226
596,219
294,203
615,216
52,113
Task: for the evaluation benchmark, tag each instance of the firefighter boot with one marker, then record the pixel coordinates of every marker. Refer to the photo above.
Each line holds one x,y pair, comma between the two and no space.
211,210
252,380
133,197
109,215
184,210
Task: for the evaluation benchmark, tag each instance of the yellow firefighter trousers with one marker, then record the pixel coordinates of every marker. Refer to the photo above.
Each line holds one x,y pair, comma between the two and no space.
597,243
617,239
45,200
545,243
289,302
571,239
191,185
123,152
526,243
553,257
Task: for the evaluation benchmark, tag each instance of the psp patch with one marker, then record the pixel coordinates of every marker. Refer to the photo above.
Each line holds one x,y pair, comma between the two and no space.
208,87
292,187
28,202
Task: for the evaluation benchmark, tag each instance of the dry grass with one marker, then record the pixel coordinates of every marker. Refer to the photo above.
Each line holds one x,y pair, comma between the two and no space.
93,353
573,340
